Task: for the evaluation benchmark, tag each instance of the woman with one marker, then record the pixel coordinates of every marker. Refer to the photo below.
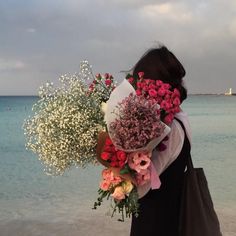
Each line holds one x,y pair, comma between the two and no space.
159,209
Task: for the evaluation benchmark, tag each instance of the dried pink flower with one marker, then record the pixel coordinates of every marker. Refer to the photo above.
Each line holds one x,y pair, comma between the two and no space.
137,123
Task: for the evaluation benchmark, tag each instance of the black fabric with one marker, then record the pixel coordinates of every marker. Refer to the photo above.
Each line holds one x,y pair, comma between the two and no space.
160,209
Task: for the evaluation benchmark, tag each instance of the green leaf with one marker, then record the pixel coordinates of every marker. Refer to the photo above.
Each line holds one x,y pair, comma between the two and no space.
124,171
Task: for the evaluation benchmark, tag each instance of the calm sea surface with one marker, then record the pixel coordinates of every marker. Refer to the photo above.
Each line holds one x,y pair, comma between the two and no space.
27,192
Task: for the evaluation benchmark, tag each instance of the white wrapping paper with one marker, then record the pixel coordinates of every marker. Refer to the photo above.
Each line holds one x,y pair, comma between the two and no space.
122,91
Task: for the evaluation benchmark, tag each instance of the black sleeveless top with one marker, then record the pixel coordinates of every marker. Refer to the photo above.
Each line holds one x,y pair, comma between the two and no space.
159,208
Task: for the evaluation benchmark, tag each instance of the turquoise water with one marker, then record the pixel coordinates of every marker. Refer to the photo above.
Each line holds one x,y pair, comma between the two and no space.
26,192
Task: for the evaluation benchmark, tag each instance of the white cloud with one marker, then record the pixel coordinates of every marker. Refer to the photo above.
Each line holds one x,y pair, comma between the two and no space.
171,11
9,64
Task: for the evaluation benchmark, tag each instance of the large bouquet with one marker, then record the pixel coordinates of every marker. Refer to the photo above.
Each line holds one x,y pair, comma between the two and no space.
134,129
67,120
90,119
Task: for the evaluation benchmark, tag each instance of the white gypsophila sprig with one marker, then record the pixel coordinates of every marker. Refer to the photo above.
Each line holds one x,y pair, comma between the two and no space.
63,130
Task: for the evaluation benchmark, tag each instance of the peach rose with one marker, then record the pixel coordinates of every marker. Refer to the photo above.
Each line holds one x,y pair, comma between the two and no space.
118,193
127,186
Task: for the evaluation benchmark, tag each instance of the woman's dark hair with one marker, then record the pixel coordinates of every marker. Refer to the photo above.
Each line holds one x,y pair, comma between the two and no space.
161,64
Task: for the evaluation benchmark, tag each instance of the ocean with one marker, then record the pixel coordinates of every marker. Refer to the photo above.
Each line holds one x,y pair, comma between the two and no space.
33,203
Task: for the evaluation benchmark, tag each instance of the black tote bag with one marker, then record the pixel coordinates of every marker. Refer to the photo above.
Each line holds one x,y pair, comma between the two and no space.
197,214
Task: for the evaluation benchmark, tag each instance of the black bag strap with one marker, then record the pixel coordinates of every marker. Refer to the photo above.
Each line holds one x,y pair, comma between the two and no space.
189,159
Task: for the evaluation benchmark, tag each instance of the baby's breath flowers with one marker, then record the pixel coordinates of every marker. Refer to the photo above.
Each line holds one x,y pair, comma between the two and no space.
64,128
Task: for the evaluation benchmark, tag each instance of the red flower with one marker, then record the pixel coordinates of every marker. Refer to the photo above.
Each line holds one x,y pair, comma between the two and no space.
110,149
114,164
121,164
105,156
108,82
108,141
114,158
107,76
121,155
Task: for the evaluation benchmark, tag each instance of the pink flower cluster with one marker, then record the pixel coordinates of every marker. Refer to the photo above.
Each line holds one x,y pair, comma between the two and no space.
118,187
137,123
140,162
109,180
159,92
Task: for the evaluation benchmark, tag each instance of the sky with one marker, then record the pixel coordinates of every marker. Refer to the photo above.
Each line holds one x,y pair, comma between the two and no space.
41,40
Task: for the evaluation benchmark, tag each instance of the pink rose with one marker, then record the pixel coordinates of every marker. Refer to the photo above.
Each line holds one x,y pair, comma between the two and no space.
131,80
139,85
145,88
152,86
176,110
104,185
176,101
118,194
166,86
163,104
140,75
147,81
152,92
176,92
138,92
168,119
161,92
159,83
168,104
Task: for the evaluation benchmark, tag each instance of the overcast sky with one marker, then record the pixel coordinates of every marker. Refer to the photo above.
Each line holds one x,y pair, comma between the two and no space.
43,39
